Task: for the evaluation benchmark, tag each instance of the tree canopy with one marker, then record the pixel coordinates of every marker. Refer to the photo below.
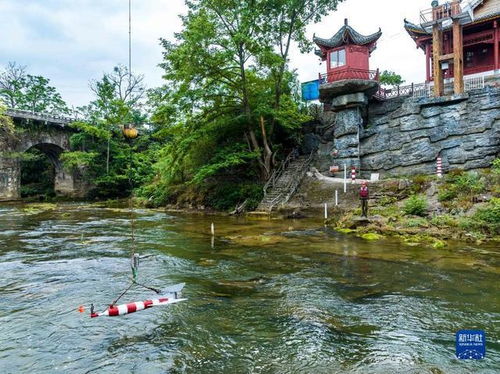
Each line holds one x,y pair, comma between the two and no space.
20,90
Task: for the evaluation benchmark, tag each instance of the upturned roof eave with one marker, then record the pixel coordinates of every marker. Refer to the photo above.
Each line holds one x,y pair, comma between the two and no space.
347,35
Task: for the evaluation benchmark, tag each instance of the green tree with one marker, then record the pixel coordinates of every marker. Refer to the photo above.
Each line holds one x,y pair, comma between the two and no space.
390,78
20,90
113,163
220,69
12,82
6,123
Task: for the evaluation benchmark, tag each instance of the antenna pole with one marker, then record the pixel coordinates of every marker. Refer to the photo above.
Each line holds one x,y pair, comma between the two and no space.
130,40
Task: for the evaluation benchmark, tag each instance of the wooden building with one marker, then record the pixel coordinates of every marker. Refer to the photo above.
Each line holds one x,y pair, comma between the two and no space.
459,38
347,55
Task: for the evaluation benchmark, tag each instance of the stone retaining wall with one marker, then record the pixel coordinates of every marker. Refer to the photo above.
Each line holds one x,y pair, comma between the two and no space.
404,136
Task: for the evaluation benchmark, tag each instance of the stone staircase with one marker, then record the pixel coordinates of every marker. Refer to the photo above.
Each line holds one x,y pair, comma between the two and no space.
284,182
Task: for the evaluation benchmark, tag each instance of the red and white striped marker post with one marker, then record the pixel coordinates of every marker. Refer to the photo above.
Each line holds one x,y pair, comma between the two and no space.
353,174
439,167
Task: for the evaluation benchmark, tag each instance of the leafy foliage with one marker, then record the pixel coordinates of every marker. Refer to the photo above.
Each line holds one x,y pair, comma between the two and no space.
459,188
496,166
37,174
5,121
113,164
491,213
20,90
390,78
415,205
230,108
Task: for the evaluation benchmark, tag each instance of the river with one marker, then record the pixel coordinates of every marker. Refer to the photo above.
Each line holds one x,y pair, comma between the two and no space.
266,296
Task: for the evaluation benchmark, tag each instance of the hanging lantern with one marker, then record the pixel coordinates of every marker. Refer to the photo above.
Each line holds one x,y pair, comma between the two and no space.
130,132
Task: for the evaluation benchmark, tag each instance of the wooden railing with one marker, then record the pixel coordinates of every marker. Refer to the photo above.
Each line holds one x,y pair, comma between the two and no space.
349,73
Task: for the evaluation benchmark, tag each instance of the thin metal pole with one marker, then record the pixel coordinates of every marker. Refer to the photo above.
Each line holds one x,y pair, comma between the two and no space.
130,40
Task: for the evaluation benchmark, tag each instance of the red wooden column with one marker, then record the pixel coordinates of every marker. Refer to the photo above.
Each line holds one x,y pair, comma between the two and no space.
496,40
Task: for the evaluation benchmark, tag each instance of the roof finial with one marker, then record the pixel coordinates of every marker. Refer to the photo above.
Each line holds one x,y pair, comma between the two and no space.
345,21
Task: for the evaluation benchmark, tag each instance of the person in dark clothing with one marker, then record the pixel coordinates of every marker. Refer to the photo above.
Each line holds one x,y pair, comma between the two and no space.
364,195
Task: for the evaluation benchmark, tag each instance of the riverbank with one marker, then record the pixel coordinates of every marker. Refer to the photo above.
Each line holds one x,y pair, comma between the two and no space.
463,206
418,210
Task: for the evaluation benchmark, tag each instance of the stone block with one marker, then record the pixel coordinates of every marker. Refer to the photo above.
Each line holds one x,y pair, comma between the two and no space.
430,112
348,101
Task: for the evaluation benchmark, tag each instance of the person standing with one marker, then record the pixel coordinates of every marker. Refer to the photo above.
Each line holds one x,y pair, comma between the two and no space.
364,195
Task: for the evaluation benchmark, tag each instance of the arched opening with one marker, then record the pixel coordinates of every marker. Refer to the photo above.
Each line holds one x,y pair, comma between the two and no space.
40,169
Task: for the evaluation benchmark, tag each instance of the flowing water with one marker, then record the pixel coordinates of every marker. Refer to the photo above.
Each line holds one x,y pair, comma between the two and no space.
267,296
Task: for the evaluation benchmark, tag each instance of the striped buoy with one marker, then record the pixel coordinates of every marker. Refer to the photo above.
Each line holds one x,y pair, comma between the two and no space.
439,167
120,310
353,174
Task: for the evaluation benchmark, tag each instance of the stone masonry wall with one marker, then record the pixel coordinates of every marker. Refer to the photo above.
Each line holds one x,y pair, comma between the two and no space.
406,136
403,137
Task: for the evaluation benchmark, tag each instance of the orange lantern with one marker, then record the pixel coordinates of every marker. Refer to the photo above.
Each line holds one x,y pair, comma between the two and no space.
130,132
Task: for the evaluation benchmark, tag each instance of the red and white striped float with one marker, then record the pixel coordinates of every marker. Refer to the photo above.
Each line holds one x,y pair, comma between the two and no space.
120,310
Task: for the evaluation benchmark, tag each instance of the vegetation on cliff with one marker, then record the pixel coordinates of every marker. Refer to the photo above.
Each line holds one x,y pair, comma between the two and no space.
461,206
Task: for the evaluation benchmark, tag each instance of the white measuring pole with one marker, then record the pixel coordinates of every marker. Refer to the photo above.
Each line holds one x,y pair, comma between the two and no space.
336,197
212,229
326,211
345,178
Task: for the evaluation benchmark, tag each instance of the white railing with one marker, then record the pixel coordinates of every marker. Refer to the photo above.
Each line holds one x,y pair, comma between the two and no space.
474,83
426,89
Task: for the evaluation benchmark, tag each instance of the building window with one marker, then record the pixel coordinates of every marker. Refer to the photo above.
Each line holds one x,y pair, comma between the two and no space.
469,59
337,58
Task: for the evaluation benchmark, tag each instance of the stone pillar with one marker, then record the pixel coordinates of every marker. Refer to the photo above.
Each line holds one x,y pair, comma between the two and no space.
349,100
348,122
63,182
10,179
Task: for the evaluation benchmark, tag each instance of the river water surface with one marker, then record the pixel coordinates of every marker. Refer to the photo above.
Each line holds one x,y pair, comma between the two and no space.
267,296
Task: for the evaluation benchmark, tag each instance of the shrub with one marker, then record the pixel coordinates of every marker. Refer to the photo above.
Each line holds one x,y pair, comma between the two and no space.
415,205
419,183
225,196
491,213
496,166
447,194
459,187
466,183
387,200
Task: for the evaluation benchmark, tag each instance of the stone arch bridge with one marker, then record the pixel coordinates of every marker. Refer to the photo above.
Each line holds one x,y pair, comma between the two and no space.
47,133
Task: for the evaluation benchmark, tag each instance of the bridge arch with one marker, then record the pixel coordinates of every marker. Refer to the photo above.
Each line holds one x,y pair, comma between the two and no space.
63,180
49,134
